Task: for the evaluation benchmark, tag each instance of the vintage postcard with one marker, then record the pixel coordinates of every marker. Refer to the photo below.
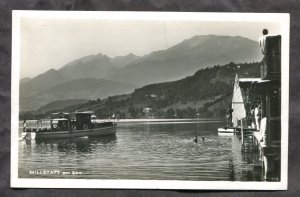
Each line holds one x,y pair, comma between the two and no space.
150,100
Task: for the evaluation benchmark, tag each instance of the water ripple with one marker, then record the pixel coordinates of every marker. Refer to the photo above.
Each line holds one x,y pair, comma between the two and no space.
154,151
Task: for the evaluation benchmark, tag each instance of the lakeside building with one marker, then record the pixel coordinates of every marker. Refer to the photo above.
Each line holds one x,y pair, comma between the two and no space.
256,105
147,111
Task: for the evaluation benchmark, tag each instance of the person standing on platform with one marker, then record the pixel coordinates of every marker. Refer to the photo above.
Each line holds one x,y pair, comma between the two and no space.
229,116
252,117
257,113
262,41
262,44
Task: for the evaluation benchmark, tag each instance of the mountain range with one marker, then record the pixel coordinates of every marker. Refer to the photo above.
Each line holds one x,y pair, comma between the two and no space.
99,76
207,93
187,57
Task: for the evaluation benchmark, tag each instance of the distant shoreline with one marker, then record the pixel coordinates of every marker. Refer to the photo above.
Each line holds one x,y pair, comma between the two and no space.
162,120
155,120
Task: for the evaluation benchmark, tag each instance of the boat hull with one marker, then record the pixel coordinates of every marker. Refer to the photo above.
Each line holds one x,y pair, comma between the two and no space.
103,131
225,130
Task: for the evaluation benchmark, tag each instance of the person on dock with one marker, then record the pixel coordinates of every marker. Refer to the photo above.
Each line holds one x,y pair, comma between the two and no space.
229,116
262,41
262,44
24,125
257,113
252,117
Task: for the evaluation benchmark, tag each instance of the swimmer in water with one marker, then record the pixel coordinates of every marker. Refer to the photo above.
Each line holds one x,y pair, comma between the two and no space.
203,139
196,139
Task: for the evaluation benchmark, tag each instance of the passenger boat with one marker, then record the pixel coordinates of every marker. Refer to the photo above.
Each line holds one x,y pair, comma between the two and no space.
65,125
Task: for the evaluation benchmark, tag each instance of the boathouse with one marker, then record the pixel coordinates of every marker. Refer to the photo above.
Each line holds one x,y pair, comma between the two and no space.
244,97
256,105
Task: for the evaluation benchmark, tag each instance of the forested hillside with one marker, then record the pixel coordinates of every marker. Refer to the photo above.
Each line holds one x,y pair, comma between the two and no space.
191,97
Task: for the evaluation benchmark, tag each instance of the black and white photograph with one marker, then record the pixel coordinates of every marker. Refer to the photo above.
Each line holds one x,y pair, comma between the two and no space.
149,100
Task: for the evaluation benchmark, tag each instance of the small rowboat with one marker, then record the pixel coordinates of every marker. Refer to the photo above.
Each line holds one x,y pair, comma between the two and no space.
226,130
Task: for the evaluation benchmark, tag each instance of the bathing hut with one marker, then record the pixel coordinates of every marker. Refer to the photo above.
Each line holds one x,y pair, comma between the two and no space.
263,92
244,97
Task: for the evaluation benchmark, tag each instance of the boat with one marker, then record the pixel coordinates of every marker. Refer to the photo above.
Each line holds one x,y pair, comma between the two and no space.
226,130
65,125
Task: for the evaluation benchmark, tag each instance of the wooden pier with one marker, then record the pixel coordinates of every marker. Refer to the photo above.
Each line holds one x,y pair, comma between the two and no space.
265,156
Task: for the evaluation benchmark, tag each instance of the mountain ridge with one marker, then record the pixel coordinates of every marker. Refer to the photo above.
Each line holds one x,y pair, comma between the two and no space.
87,88
206,94
174,63
187,57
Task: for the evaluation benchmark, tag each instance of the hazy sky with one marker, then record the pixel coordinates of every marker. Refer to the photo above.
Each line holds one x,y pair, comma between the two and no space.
51,43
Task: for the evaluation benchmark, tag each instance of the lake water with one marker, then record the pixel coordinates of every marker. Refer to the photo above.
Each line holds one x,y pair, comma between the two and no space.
143,150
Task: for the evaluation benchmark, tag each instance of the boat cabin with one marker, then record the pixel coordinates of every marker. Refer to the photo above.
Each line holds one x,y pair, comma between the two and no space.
37,125
61,122
81,120
60,115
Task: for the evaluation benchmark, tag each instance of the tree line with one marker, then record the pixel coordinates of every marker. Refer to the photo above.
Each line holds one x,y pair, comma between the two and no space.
211,85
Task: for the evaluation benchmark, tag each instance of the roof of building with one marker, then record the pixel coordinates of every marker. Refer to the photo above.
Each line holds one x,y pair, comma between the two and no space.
83,112
250,80
245,82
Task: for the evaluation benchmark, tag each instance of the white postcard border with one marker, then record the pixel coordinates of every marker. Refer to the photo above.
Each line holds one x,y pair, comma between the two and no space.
283,19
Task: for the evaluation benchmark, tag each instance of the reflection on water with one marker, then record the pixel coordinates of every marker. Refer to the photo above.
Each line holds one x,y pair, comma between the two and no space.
155,151
81,144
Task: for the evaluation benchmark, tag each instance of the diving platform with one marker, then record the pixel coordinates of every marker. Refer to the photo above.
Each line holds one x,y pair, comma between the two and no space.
235,130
